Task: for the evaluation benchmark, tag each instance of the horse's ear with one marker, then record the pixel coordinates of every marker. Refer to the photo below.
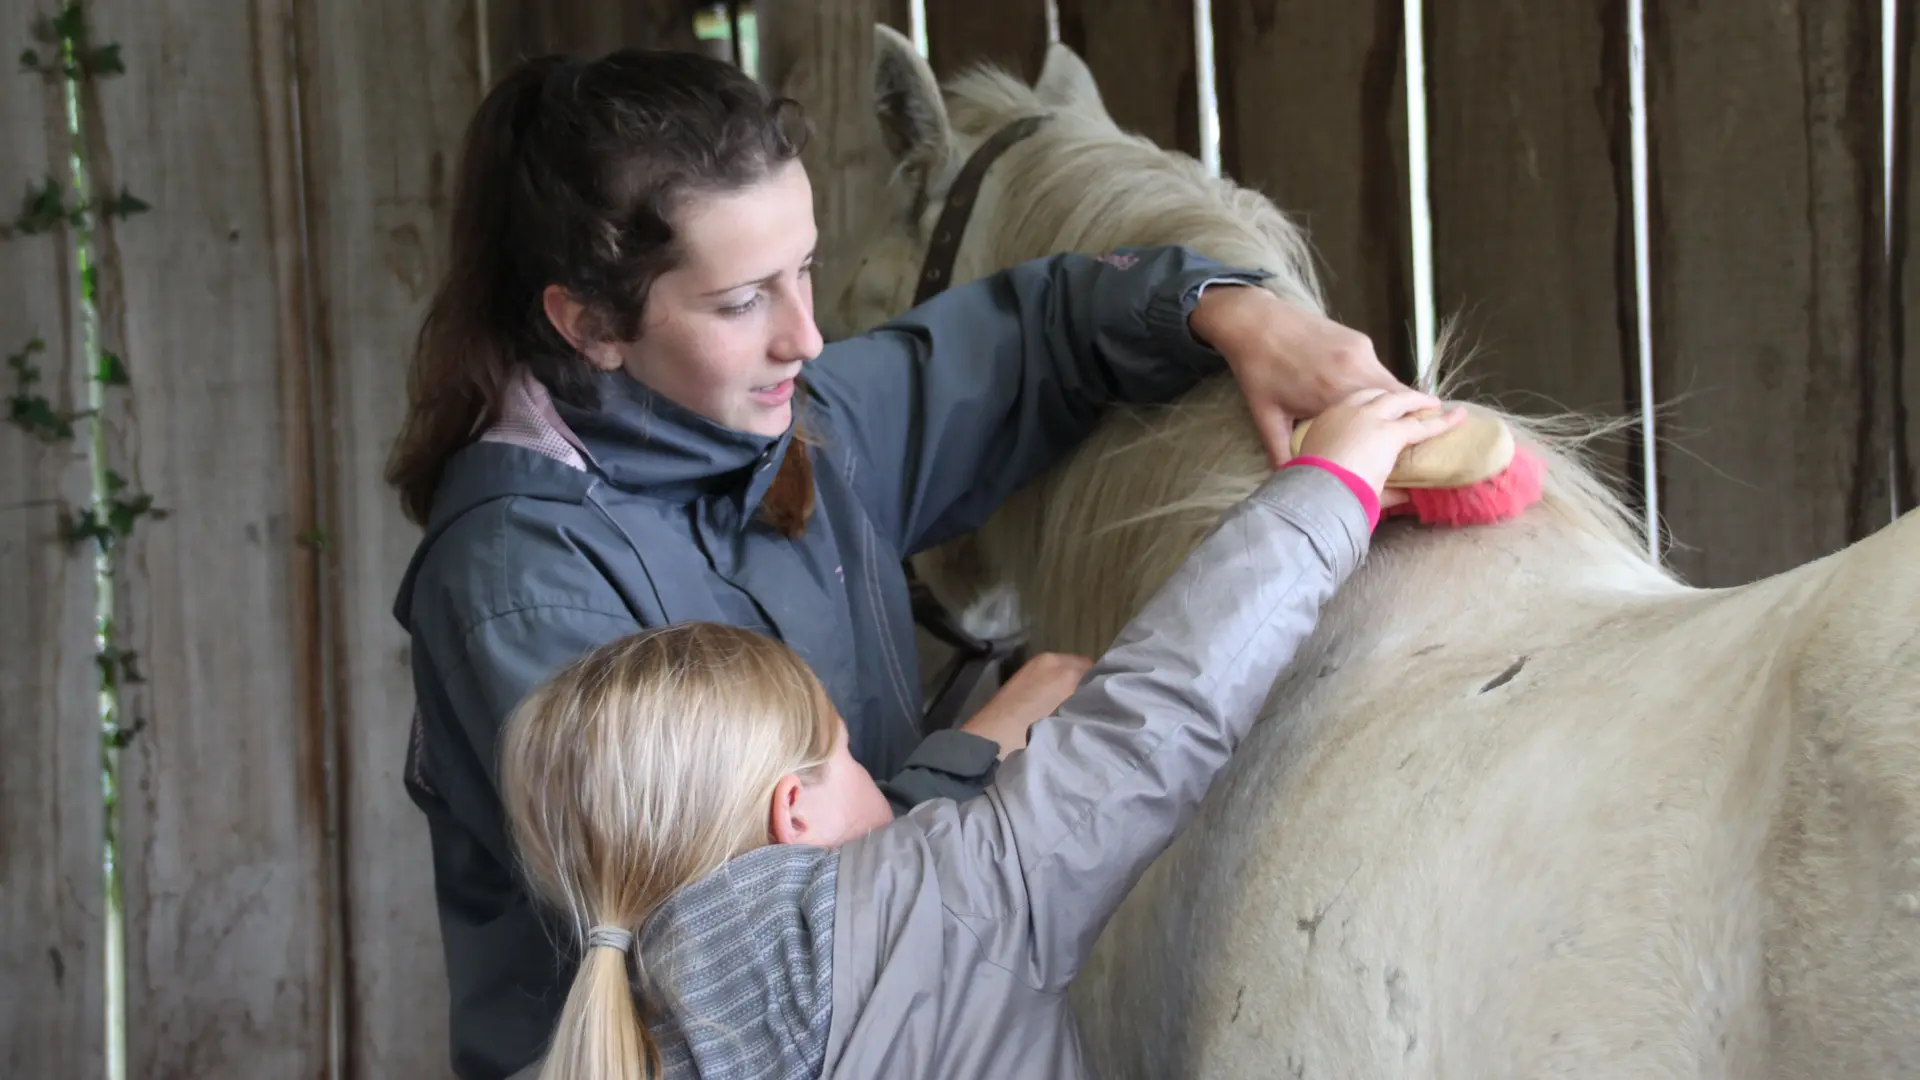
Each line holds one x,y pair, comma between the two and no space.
906,99
1066,83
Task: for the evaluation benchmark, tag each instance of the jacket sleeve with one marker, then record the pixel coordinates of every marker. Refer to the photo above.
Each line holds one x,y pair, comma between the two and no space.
950,764
955,405
1036,867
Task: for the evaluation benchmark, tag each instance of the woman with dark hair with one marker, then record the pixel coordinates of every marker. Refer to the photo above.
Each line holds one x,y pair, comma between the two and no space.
622,416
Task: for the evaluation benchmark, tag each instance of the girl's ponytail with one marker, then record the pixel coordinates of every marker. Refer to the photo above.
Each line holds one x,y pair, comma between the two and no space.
637,769
600,1035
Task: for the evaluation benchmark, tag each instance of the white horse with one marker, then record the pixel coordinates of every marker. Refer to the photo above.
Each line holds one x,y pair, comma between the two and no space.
1526,804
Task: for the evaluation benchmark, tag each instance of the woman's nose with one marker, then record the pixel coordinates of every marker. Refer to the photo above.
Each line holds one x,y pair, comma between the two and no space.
799,337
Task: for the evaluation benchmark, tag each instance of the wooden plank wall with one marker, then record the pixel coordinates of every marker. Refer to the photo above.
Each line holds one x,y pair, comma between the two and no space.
52,916
1141,53
385,103
1532,205
822,56
1313,114
517,28
228,899
1010,33
1905,313
1764,132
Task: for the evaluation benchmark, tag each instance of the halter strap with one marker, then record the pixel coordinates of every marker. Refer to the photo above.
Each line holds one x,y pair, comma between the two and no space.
937,270
975,659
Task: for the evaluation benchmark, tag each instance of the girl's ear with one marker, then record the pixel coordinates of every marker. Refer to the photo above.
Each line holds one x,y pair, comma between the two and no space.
568,316
785,825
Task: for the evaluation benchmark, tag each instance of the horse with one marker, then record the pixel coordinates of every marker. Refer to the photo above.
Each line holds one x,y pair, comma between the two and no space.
1526,803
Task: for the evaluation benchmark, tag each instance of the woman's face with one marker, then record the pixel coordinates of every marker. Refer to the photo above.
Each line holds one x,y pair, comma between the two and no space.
726,332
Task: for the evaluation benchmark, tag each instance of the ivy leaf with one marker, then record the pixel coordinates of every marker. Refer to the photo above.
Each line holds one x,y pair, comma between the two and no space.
113,370
105,60
45,30
125,205
71,23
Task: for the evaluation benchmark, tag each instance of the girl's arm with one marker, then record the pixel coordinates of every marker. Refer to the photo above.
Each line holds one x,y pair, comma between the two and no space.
1036,866
956,404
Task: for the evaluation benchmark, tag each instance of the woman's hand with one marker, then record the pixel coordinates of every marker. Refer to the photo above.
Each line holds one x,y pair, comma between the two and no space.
1290,363
1366,433
1034,693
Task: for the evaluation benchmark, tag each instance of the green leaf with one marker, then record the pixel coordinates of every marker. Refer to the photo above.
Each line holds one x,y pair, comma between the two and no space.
105,60
71,23
113,370
125,205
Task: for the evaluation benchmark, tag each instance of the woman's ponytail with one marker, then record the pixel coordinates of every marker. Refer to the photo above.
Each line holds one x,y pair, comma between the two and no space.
601,1035
462,358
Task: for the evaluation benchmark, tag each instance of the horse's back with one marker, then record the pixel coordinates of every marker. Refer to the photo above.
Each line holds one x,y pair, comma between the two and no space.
1535,845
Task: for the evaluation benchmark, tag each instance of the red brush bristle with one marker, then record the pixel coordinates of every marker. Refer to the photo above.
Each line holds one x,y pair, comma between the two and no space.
1497,498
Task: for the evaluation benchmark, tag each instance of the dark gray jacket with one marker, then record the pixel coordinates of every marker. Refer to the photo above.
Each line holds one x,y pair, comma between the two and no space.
565,528
941,947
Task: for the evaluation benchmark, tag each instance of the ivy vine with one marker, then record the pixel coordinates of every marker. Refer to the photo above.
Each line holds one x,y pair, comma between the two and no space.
65,53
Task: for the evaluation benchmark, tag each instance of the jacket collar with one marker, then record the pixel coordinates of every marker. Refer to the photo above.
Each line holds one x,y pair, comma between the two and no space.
643,442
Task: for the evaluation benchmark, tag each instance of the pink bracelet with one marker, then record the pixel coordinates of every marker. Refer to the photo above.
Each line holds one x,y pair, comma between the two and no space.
1369,500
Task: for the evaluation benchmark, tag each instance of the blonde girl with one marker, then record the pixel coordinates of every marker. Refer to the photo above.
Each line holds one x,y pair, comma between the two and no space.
748,904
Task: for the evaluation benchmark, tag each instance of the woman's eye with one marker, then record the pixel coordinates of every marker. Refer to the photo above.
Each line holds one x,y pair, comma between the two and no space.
742,308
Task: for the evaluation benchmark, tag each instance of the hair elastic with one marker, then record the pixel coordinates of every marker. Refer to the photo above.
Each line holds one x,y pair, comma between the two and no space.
610,936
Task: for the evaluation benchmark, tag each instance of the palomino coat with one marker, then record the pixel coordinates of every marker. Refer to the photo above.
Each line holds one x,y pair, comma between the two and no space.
941,946
564,528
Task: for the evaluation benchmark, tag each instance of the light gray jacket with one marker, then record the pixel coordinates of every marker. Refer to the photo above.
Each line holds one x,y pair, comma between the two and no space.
943,944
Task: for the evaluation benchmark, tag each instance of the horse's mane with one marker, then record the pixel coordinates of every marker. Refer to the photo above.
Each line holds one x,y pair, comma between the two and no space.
1171,198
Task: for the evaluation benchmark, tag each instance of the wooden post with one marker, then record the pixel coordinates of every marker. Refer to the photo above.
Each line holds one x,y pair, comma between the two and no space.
1765,150
1313,113
52,895
1011,33
224,845
387,92
1532,204
1141,53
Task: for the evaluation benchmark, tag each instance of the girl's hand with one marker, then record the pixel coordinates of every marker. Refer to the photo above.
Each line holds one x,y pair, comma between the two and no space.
1365,433
1034,693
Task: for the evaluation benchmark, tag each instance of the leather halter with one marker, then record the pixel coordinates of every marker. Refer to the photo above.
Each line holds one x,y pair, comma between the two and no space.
975,657
936,272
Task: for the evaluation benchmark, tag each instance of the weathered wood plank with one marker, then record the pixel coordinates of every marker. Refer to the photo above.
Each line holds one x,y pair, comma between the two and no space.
1011,33
1313,113
1141,53
1765,148
1531,185
1905,330
521,28
224,855
52,893
387,92
822,56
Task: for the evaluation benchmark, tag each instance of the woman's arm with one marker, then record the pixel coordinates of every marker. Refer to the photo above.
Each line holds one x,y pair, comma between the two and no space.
1037,866
958,403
